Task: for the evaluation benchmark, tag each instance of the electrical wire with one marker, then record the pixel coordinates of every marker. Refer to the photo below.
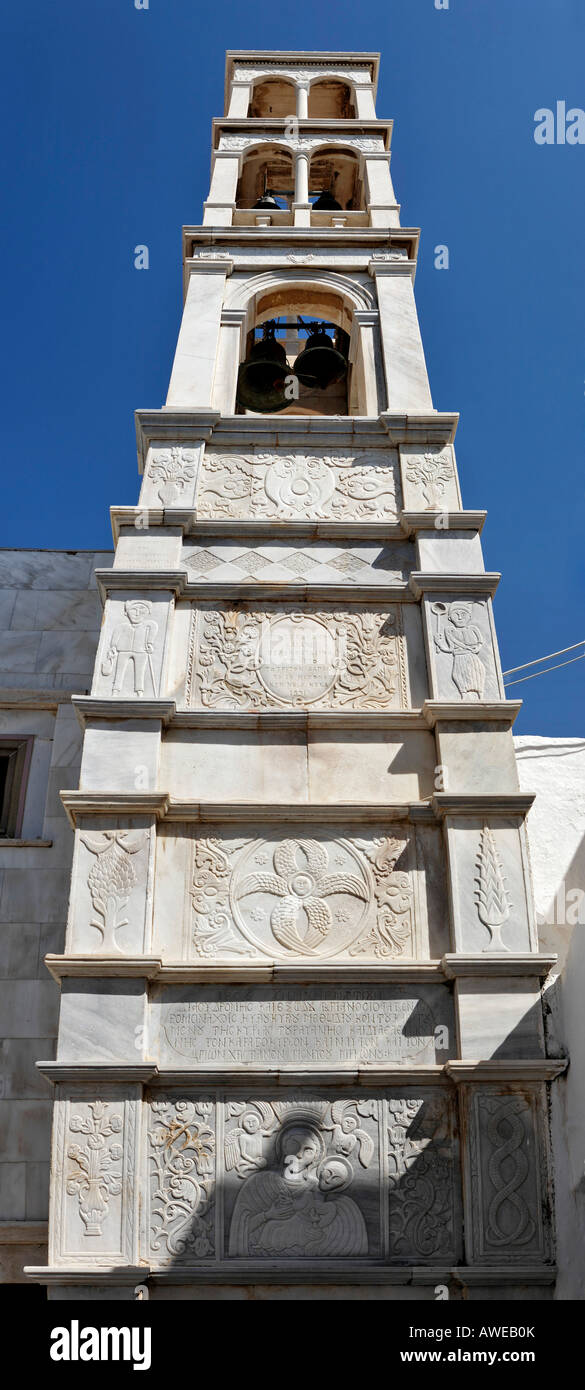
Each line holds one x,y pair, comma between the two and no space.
549,668
524,664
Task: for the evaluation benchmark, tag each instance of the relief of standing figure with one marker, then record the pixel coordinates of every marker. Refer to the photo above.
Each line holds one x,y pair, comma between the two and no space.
131,645
462,639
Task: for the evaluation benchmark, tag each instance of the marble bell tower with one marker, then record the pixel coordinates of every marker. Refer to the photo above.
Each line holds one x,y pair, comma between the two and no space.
301,1037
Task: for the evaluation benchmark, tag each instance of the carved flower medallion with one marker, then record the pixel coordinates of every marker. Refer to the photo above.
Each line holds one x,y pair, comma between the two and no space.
309,898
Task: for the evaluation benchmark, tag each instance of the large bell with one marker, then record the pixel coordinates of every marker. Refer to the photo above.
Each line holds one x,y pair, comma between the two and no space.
267,201
326,203
262,376
320,363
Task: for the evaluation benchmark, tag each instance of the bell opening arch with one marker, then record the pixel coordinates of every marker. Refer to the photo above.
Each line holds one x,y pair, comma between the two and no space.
284,298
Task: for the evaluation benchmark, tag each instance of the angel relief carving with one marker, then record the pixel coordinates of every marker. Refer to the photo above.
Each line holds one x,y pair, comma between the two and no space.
286,896
298,1162
326,658
299,486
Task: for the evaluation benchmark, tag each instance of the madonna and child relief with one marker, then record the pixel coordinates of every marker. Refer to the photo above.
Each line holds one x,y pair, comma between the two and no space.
299,1209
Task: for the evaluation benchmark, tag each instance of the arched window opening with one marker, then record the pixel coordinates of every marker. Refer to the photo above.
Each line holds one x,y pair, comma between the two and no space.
297,355
334,181
331,99
273,97
267,173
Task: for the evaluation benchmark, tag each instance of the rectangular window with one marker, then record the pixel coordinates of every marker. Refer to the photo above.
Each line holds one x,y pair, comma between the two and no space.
15,756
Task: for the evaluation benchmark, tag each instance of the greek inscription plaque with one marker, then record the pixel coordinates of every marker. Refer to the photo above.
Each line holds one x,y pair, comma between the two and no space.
325,1024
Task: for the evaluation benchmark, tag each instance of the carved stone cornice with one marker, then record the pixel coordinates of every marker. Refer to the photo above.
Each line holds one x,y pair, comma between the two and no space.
488,804
422,582
412,522
81,803
470,712
192,426
508,1069
89,707
495,965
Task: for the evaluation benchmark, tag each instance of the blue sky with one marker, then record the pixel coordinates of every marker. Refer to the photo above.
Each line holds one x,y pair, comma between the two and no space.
106,113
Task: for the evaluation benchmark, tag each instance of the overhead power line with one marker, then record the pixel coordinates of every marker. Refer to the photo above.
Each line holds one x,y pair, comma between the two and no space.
524,664
546,672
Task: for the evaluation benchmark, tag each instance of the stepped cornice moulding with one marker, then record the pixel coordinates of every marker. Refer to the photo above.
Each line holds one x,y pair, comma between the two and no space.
301,432
471,712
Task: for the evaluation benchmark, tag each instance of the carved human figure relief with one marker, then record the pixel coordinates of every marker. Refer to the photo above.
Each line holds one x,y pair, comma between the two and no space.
128,658
295,1204
181,1145
491,897
360,485
172,470
246,658
111,879
95,1171
296,895
457,635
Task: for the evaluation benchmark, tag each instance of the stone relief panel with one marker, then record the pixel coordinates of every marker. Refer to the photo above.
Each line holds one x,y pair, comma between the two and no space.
131,653
281,657
93,1215
507,1180
170,476
367,144
358,485
111,898
359,892
181,1166
490,876
305,1177
429,479
424,1211
327,1025
281,562
462,649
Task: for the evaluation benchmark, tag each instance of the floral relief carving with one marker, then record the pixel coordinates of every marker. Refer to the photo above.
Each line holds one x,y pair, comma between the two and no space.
301,881
112,878
366,143
286,896
172,469
421,1180
182,1166
299,486
241,658
431,472
96,1176
391,932
213,930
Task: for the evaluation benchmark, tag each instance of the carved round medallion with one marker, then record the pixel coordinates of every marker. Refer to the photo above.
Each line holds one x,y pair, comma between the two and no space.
299,483
299,896
297,658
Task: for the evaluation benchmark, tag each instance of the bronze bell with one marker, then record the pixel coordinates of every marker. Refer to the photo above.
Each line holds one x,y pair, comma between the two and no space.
267,201
262,376
326,203
320,363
